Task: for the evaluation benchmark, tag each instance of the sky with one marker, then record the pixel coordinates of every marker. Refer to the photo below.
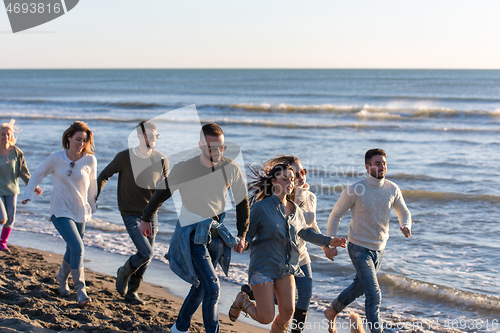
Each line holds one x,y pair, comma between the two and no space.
260,34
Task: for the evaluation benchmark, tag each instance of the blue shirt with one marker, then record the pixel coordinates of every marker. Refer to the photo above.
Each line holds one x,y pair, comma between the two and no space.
273,238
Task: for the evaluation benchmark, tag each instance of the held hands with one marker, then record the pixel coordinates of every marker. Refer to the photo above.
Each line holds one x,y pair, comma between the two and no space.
338,241
406,232
241,246
146,229
330,252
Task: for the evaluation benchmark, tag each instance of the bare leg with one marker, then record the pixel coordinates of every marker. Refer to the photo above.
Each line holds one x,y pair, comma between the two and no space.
331,315
356,323
263,311
285,293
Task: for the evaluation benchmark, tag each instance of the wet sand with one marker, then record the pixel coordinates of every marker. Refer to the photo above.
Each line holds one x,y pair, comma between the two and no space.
30,301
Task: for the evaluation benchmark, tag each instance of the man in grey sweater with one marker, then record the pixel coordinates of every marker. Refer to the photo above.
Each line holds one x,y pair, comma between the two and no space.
370,201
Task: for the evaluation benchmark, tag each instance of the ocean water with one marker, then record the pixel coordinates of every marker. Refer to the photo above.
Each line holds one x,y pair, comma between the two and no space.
440,129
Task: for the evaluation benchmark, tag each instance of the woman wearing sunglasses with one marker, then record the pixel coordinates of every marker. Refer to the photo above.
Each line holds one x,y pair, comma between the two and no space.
276,223
306,200
74,174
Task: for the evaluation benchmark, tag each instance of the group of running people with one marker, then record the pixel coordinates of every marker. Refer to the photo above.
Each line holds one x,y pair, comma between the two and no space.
275,216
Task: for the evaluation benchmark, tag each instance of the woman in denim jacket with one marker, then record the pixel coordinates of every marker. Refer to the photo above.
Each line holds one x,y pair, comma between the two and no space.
276,224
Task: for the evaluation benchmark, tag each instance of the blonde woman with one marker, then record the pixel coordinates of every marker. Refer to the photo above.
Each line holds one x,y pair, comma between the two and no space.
12,167
74,174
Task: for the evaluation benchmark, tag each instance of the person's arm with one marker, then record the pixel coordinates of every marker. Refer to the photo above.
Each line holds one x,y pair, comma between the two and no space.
310,214
242,223
242,217
158,198
311,235
92,191
254,225
47,166
23,171
112,168
240,197
345,202
404,215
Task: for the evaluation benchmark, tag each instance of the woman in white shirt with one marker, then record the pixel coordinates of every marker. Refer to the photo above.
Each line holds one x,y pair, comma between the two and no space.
74,174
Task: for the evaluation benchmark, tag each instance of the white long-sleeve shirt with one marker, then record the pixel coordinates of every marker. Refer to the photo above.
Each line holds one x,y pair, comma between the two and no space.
306,200
370,201
72,196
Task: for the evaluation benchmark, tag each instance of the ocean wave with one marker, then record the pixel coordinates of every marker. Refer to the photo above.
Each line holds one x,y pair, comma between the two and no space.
284,108
415,195
410,195
365,111
292,125
433,292
124,104
83,116
393,111
421,178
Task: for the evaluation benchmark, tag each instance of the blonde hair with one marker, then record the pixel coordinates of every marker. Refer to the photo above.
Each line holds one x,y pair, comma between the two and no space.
79,126
13,129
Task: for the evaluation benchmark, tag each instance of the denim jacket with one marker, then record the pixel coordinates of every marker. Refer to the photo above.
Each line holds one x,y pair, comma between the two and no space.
179,252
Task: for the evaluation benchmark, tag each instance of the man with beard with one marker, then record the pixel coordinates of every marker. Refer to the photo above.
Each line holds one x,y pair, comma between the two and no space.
370,201
200,240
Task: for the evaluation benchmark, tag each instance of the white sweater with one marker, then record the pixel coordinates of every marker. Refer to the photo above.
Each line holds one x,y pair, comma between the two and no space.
370,201
72,196
306,200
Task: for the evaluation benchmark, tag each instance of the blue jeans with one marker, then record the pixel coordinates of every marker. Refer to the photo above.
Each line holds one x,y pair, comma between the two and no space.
143,244
367,263
304,288
72,233
8,209
205,258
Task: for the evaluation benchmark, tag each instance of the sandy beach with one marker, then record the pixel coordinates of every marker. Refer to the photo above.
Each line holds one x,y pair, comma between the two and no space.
30,302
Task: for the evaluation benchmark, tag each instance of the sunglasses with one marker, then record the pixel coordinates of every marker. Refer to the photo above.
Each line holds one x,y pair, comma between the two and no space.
218,148
153,136
302,173
70,171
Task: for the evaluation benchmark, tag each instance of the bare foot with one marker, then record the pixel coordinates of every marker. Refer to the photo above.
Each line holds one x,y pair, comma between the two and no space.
331,315
356,323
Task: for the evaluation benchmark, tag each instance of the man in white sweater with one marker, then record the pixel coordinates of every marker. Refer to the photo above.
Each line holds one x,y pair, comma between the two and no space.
370,201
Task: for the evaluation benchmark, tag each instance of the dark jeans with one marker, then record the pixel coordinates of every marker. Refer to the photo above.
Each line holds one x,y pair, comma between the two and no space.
205,259
144,245
367,263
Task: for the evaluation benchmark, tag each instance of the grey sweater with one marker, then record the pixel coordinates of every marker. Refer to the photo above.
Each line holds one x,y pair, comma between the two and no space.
370,201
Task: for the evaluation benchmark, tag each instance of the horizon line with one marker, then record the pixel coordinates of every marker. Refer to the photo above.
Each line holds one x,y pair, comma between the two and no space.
243,68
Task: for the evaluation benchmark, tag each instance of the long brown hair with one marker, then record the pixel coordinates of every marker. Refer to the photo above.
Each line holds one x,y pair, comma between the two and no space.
261,186
280,159
79,126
